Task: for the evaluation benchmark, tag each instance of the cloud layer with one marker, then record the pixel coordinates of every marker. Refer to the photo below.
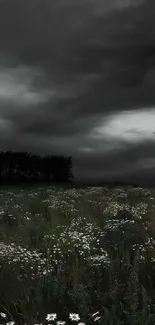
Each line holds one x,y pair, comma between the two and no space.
77,78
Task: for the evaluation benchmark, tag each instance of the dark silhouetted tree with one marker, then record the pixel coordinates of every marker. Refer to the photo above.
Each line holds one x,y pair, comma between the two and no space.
24,166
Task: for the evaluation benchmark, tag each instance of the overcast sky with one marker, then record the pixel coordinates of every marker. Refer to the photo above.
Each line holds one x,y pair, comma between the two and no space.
77,77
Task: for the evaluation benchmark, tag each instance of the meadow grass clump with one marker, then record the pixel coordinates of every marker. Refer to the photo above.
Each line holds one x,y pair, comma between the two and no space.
77,252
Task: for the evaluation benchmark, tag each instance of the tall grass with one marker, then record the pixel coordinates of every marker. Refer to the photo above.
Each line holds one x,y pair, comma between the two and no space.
69,252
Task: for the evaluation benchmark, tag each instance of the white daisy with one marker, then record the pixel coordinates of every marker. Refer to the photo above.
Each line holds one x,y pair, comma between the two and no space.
3,315
73,316
51,317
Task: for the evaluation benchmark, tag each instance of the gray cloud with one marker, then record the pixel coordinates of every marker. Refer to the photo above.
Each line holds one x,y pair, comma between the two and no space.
68,68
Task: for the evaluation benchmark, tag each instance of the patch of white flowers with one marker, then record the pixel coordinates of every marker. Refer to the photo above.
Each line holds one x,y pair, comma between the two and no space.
53,317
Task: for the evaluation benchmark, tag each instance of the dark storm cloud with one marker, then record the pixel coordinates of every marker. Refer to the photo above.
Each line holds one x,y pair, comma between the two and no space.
68,39
134,163
132,154
64,65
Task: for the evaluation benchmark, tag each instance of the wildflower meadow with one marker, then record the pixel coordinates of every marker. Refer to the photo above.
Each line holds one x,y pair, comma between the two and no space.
77,255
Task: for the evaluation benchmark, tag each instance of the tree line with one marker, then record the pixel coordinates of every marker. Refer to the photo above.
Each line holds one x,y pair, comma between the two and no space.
27,167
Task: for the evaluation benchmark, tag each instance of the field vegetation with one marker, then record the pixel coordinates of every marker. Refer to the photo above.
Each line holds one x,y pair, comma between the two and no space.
77,255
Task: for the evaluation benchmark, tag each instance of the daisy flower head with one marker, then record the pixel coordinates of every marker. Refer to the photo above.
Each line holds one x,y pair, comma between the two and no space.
3,315
50,317
74,317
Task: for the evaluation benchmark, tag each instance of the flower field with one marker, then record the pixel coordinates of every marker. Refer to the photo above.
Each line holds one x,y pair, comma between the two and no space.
77,255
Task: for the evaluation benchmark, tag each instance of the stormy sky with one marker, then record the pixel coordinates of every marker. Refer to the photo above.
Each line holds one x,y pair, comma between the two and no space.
77,77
